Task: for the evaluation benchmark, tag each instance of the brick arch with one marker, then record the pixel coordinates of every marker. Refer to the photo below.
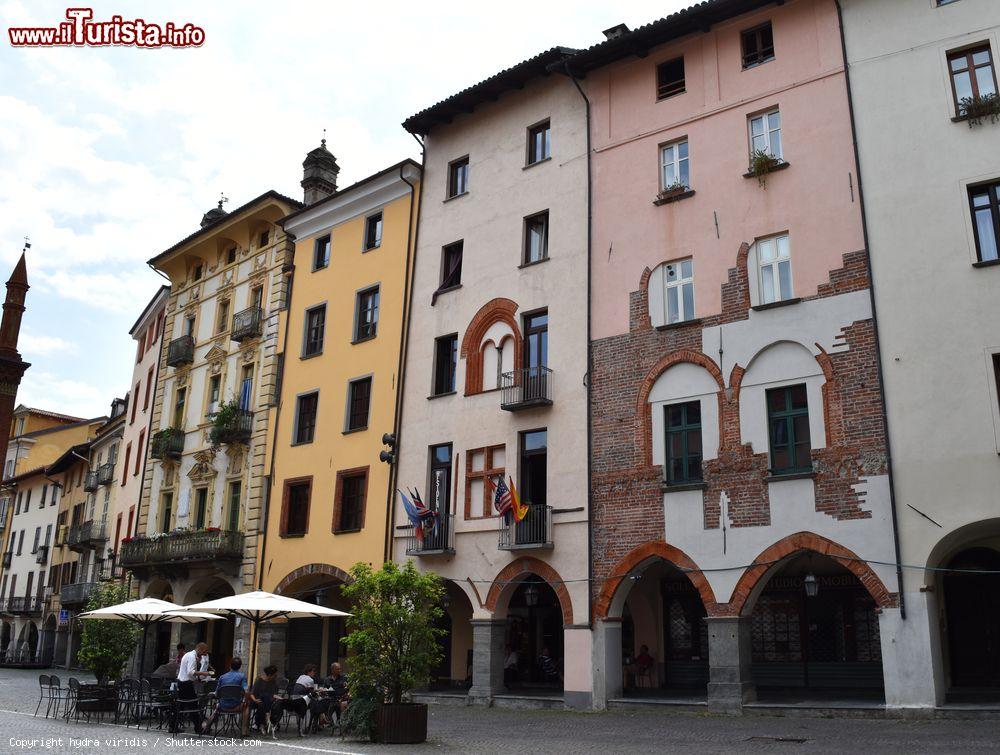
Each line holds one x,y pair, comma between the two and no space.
530,565
755,576
655,549
494,311
304,571
644,428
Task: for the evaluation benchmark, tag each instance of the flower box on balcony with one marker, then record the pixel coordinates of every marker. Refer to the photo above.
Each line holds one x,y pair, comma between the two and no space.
231,424
167,444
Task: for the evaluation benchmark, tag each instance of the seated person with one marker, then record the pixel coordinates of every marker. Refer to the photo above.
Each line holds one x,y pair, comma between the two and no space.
337,695
641,664
262,699
302,691
232,678
548,666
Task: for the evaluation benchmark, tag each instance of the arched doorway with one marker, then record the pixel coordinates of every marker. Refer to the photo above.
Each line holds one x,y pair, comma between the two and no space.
972,623
454,671
218,634
49,641
664,633
815,632
27,643
534,630
310,640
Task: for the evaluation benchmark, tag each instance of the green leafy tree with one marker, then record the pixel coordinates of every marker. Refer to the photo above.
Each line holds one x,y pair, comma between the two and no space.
106,645
393,637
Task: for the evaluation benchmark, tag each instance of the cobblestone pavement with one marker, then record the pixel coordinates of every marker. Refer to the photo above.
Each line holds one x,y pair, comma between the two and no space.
478,730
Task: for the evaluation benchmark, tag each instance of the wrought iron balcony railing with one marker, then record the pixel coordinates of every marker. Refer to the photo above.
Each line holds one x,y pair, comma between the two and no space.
180,351
167,444
433,541
181,548
525,388
87,535
235,428
27,605
106,473
76,594
248,324
90,483
534,531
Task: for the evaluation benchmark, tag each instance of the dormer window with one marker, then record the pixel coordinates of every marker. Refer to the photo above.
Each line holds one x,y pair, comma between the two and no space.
265,236
197,272
670,78
758,45
231,256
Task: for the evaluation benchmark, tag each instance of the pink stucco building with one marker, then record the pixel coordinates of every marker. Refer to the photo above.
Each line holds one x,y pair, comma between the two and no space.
738,434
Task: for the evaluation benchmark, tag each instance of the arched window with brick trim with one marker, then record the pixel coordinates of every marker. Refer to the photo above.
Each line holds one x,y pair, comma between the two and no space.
491,346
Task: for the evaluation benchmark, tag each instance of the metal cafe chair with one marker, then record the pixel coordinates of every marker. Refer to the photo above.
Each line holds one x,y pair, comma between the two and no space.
229,707
43,693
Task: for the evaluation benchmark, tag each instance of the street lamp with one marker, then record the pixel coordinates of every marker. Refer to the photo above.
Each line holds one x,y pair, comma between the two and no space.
811,585
531,595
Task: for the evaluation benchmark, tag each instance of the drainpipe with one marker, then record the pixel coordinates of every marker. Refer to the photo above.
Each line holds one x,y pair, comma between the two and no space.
149,429
590,361
871,294
266,508
412,236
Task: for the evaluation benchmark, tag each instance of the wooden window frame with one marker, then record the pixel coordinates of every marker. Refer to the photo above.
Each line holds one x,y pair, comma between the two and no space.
445,279
766,116
230,506
488,472
374,221
685,429
316,248
453,166
297,418
775,264
544,128
679,284
223,310
787,415
680,164
338,499
968,53
526,246
368,293
761,57
993,192
436,374
286,491
665,91
306,330
349,427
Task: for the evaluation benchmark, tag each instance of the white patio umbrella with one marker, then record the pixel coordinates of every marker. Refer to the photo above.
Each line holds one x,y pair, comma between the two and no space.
260,606
146,612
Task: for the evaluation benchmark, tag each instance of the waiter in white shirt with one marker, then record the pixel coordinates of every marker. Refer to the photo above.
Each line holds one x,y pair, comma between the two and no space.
187,675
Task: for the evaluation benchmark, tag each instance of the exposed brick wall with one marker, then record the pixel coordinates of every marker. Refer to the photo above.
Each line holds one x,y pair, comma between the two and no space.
502,584
627,494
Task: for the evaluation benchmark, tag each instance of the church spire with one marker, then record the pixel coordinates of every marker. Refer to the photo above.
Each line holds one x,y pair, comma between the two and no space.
13,307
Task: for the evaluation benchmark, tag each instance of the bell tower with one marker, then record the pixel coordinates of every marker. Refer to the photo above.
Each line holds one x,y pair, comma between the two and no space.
12,367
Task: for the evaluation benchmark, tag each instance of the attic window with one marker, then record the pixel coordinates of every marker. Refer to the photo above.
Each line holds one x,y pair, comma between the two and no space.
264,236
231,256
670,78
197,272
758,45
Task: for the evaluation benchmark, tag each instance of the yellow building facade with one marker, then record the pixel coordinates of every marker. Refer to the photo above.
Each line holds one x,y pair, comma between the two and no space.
340,344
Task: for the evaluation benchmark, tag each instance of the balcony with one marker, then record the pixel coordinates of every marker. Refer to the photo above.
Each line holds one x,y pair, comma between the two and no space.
76,594
247,324
173,553
534,531
7,558
231,425
106,473
87,535
180,351
90,482
42,555
526,388
432,543
26,606
167,444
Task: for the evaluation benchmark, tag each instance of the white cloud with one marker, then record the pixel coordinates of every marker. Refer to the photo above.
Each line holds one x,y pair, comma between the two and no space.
33,345
65,395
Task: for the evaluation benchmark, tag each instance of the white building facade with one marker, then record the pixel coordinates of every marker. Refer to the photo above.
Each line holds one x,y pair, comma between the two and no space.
930,177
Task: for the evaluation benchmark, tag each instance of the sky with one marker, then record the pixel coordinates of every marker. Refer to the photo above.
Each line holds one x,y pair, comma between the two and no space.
108,156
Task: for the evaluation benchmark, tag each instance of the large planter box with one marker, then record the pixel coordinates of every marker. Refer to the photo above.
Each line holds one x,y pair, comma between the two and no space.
402,724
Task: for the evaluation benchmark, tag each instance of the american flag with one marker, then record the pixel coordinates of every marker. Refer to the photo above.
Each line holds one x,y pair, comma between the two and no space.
502,500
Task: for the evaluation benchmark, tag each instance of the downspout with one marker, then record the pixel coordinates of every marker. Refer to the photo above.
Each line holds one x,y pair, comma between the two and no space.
279,379
412,236
149,432
590,361
871,294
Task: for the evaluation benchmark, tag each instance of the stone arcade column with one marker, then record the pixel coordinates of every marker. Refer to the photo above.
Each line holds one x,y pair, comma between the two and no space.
487,660
607,661
730,684
271,646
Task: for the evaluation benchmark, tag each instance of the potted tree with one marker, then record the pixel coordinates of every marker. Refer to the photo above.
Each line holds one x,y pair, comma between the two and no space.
105,648
393,642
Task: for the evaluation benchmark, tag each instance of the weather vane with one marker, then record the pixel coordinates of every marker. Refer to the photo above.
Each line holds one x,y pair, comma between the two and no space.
222,199
27,244
322,142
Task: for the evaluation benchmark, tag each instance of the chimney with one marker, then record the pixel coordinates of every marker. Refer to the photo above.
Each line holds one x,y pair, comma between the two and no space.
319,174
616,31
